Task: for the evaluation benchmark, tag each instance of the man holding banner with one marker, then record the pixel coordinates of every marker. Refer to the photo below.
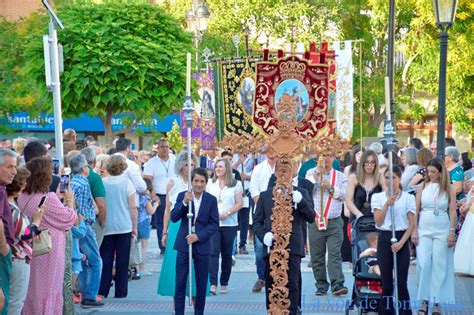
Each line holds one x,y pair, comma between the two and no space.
327,231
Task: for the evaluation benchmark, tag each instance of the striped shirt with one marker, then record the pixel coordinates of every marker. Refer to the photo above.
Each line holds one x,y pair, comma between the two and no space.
338,196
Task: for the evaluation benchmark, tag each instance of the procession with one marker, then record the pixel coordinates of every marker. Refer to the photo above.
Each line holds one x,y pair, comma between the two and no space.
315,160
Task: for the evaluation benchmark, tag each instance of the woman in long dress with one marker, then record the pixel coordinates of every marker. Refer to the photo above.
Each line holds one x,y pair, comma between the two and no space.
464,252
45,290
434,237
166,281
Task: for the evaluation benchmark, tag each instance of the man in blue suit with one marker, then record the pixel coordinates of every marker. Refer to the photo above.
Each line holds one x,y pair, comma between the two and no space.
205,222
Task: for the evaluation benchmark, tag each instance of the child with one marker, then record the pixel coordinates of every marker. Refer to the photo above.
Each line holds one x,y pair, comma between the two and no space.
371,253
146,208
78,232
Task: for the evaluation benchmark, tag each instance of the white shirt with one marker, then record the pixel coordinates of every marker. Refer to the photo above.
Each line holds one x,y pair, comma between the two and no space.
134,174
408,174
161,171
260,176
225,200
405,204
197,205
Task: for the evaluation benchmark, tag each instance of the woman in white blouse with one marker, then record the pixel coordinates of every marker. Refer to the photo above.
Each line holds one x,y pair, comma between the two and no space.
228,192
434,237
403,205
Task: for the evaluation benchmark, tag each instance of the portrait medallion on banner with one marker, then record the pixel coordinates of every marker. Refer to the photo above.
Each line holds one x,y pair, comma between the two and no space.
292,82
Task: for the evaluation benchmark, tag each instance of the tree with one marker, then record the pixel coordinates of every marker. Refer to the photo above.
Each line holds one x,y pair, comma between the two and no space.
421,47
174,137
17,92
118,58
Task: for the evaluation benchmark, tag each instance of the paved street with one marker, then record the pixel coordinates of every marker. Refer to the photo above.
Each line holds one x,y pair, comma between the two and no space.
142,297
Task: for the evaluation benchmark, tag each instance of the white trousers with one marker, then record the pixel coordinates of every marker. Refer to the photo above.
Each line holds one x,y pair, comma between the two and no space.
435,264
19,279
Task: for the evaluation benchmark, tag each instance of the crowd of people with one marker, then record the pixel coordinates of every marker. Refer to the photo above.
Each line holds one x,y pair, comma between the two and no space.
98,212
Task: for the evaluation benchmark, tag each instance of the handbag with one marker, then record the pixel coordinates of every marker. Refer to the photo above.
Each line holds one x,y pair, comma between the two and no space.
42,242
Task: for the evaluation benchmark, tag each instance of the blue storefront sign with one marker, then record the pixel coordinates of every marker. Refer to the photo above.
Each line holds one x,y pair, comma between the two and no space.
84,123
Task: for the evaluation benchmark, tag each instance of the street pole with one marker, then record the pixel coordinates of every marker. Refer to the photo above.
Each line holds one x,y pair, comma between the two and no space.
53,83
389,134
56,89
443,55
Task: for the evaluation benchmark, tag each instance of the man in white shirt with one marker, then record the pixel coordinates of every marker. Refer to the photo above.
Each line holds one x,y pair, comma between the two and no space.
327,232
160,169
258,183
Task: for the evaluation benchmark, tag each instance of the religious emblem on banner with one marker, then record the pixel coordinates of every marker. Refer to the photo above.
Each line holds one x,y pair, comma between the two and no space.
296,83
238,95
203,130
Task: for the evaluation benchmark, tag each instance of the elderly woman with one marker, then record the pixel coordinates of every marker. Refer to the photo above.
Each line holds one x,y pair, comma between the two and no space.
166,282
228,192
23,247
45,289
410,163
434,237
120,225
456,174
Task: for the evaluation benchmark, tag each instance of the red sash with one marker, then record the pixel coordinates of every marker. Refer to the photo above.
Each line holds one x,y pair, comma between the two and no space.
322,221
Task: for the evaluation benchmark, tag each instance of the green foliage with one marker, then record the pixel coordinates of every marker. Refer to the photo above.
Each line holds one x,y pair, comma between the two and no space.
174,137
422,43
17,92
118,58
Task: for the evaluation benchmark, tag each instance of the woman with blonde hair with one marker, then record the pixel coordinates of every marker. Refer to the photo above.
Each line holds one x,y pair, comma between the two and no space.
434,237
228,192
362,185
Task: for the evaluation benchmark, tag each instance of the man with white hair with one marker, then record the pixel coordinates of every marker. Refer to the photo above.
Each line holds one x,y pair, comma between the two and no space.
97,190
377,147
7,230
89,278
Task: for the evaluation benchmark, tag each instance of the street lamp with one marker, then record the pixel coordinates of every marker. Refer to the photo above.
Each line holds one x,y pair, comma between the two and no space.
197,19
445,11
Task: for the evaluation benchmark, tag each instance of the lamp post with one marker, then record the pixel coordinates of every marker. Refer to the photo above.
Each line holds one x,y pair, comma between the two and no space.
197,19
445,11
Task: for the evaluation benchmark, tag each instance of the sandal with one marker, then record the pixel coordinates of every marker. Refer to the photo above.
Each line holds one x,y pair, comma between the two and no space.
424,308
436,310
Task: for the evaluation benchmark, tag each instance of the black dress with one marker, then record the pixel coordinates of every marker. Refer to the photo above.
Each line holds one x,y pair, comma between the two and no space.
362,199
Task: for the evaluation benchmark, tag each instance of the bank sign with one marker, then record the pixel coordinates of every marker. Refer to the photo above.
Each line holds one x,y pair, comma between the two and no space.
22,121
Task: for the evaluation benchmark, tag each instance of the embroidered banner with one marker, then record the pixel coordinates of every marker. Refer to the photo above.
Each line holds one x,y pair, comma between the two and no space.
344,90
237,82
327,57
204,125
296,83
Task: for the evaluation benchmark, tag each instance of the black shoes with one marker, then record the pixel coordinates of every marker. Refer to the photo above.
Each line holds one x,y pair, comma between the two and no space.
91,303
340,291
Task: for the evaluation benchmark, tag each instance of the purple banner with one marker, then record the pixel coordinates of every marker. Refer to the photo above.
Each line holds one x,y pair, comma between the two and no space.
204,127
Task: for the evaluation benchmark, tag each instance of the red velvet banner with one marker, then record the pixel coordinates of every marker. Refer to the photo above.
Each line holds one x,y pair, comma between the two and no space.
292,82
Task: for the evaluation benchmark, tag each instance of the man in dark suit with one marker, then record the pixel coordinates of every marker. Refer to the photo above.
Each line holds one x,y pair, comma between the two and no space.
205,222
303,212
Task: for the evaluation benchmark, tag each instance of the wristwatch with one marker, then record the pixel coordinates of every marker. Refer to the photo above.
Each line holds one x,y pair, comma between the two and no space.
229,213
331,191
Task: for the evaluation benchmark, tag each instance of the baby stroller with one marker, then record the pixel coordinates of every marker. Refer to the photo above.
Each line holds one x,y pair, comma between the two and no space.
367,288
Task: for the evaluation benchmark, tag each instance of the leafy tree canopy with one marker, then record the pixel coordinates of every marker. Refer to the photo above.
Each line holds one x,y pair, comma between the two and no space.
118,58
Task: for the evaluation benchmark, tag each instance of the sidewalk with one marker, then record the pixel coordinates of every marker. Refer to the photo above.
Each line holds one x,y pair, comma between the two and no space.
142,297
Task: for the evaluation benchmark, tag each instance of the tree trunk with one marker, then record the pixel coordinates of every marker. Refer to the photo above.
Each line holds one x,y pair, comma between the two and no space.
107,122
